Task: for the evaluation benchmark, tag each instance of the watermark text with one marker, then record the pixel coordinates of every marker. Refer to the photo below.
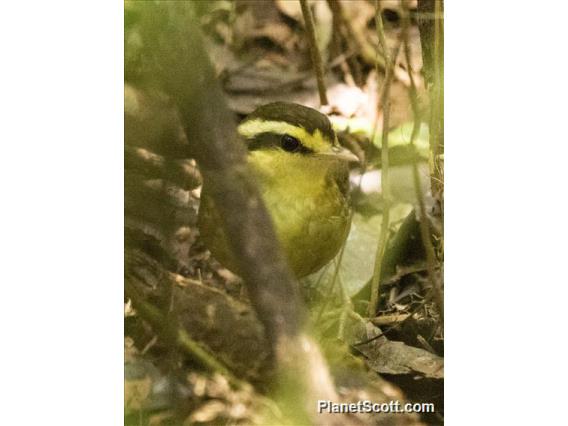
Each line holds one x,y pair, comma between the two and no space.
366,406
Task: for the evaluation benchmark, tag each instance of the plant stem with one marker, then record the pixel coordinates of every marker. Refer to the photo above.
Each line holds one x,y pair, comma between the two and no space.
385,186
425,232
314,51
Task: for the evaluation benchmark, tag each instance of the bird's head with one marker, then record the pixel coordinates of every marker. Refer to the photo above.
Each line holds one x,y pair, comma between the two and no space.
289,129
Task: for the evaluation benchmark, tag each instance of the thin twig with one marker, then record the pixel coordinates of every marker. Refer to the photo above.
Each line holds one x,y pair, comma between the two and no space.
335,276
389,319
343,35
385,187
314,51
437,117
395,325
425,232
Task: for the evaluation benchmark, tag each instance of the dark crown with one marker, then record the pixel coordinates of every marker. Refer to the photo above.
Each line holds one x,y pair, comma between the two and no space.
295,114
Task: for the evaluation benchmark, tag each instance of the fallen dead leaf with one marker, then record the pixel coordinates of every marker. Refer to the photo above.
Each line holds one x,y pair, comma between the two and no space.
389,357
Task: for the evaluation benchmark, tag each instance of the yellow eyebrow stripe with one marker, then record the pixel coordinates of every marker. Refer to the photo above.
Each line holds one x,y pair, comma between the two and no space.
316,142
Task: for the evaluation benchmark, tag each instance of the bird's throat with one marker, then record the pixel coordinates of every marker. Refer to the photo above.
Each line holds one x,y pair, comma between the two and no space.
290,175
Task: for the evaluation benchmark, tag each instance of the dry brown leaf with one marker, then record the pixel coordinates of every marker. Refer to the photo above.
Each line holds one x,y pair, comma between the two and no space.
389,357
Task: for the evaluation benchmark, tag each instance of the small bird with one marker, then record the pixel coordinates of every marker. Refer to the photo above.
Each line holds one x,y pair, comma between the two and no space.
303,176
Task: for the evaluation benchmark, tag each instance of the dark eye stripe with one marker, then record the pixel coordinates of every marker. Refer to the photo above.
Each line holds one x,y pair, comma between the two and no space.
274,141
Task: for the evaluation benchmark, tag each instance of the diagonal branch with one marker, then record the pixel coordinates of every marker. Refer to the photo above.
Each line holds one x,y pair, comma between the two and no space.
174,59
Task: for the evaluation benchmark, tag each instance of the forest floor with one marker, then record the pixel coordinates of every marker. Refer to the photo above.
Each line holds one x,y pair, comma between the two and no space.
261,55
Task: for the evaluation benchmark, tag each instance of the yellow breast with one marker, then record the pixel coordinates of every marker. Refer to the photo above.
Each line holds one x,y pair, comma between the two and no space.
308,203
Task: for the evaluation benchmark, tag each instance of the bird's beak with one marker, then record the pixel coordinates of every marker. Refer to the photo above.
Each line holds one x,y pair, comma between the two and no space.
339,153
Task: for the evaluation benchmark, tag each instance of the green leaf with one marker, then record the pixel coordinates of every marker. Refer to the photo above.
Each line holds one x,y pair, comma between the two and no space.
358,261
400,136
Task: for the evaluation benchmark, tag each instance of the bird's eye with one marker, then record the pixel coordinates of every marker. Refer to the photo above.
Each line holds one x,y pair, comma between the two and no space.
289,143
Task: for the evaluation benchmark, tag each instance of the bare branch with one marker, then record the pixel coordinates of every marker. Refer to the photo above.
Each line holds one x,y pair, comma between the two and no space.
314,51
177,63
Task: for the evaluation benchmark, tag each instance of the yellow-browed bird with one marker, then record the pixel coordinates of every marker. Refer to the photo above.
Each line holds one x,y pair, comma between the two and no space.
303,176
